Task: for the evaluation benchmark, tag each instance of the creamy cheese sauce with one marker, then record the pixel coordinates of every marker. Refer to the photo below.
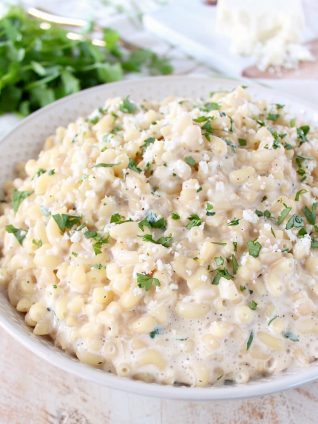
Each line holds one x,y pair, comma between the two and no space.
171,241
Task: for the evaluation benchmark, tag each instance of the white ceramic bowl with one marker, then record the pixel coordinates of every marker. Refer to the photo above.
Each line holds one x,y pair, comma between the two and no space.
26,140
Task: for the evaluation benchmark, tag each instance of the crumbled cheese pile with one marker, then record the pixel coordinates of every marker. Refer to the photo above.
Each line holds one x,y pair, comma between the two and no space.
271,31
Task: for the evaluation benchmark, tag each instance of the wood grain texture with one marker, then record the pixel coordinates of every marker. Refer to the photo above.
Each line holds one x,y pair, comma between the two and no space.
34,392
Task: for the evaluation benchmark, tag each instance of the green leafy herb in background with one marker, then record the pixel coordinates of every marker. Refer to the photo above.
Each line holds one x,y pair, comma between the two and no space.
38,66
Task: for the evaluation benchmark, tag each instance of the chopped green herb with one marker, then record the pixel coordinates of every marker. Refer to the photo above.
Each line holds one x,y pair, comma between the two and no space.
302,133
105,165
146,281
147,142
220,243
273,232
242,288
221,273
310,214
242,142
209,209
127,106
252,305
266,213
164,241
295,221
18,233
51,172
175,216
98,266
194,221
254,248
233,222
201,119
154,333
234,264
18,197
133,166
116,218
299,193
99,240
199,189
211,106
189,160
272,116
37,243
66,222
272,319
283,215
219,260
290,336
235,246
152,221
40,171
75,254
250,340
54,286
314,244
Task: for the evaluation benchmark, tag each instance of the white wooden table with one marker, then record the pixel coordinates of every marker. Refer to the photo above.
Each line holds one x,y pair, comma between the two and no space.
34,392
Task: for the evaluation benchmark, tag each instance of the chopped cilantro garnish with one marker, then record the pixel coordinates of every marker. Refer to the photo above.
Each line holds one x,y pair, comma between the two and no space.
283,215
37,243
127,106
133,166
254,248
152,221
146,281
234,264
18,233
147,142
98,266
302,133
189,160
154,333
40,171
66,222
219,260
209,209
221,273
116,218
194,221
211,106
51,172
233,222
310,214
266,213
295,221
252,305
242,142
18,197
105,165
299,193
250,340
164,241
175,216
234,246
272,116
99,240
314,244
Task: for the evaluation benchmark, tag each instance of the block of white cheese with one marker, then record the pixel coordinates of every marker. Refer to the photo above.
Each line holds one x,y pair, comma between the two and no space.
269,30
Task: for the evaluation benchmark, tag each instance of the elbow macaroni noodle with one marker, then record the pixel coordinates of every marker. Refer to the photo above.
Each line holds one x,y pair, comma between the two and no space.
173,241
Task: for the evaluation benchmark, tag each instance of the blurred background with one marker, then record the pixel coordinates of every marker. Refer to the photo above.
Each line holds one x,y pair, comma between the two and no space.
274,43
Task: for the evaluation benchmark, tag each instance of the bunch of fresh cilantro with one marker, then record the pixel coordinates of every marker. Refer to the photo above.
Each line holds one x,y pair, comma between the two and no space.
38,66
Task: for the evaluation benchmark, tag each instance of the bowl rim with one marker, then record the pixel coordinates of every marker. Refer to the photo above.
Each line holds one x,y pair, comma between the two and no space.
67,363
